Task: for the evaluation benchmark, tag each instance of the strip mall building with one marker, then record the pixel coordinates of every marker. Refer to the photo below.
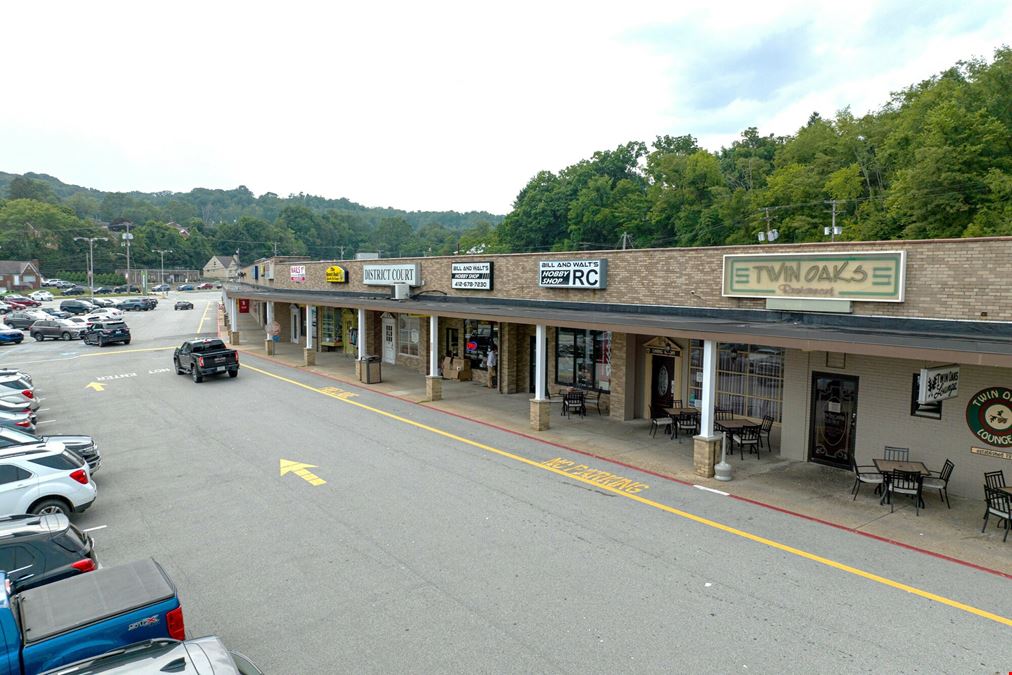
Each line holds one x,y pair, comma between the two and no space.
850,347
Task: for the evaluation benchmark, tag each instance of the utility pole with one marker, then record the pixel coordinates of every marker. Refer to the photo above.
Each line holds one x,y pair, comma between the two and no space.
126,242
162,251
275,248
91,259
833,230
625,240
769,234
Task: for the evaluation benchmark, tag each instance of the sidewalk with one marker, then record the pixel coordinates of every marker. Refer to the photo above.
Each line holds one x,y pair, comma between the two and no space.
809,490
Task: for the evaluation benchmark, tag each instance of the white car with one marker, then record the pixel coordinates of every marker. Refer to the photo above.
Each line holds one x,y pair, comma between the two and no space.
104,314
44,478
18,391
41,296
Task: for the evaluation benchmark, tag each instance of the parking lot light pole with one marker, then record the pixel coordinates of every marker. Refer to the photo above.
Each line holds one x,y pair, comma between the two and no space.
162,251
91,259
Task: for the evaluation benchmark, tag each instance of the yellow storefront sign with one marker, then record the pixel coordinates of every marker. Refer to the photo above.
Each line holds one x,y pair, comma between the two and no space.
862,276
337,275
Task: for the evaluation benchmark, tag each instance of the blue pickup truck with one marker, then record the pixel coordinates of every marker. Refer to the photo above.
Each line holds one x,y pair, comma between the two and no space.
85,616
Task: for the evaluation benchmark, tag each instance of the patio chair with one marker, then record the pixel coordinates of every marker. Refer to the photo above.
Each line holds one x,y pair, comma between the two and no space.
746,436
687,422
940,481
657,418
909,483
865,474
994,479
897,454
722,413
998,504
765,429
574,401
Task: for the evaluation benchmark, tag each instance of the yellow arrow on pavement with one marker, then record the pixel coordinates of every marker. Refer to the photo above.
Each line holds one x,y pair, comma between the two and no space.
302,470
95,385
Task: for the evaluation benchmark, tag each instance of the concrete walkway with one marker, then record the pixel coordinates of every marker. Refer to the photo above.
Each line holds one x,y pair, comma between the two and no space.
809,490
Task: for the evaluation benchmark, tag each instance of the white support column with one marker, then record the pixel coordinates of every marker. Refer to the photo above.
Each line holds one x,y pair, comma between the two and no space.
433,345
540,362
270,313
233,313
709,392
361,334
310,310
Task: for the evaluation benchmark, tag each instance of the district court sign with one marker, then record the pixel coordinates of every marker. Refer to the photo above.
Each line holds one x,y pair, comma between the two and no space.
877,276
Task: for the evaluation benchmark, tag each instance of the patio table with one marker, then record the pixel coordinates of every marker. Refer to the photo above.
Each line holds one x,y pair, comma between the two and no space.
885,466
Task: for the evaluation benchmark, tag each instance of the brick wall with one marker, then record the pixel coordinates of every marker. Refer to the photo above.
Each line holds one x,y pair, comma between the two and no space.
951,279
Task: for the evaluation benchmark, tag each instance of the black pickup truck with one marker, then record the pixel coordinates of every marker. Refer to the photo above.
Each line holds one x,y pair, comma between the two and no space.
202,357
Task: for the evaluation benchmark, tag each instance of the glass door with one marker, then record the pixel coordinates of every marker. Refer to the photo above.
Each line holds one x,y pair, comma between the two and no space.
834,419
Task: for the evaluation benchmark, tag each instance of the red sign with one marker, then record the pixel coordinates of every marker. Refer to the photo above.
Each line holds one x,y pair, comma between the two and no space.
472,345
243,306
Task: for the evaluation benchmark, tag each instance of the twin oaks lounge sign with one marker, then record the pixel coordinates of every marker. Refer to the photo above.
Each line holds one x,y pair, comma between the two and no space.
862,276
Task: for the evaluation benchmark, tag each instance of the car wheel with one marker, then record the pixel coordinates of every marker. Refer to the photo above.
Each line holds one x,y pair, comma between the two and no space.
126,342
64,335
38,336
48,506
233,373
195,374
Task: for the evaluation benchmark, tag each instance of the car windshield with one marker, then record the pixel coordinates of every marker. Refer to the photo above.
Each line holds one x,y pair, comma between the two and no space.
209,346
18,436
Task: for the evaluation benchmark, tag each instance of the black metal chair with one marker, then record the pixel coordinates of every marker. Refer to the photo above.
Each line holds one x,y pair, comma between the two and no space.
687,422
746,436
765,429
940,481
722,413
574,401
998,504
994,479
865,474
897,454
657,418
909,483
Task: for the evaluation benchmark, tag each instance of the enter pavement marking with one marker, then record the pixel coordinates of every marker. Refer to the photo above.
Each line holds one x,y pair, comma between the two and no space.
302,470
668,509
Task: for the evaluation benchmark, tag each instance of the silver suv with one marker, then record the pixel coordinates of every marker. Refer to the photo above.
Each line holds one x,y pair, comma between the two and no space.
55,329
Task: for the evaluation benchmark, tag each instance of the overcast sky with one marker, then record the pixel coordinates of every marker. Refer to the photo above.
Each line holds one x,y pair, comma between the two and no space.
438,105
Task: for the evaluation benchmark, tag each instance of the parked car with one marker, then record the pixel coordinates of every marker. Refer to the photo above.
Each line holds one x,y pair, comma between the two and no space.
5,371
104,314
126,289
203,357
11,336
22,319
74,290
14,407
161,288
102,290
50,283
19,391
56,329
183,304
41,296
104,333
184,287
46,478
87,615
82,446
4,307
133,305
56,313
206,286
101,302
77,306
199,656
41,549
22,420
20,299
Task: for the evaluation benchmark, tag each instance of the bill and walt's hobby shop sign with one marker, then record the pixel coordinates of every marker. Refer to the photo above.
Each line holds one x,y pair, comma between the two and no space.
585,274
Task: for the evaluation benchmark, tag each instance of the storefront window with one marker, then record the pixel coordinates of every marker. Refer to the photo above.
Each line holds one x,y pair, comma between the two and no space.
583,358
750,378
408,334
330,327
478,337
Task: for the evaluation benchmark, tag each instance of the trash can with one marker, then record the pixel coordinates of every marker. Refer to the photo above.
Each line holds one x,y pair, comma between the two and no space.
371,370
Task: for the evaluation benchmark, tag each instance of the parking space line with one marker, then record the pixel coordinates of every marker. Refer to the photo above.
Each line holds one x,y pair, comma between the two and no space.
200,327
97,527
46,422
828,562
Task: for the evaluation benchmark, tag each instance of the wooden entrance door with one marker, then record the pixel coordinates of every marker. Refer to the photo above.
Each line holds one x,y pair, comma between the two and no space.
833,419
662,380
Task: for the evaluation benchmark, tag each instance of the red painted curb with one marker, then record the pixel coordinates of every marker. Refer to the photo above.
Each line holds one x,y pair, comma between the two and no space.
672,479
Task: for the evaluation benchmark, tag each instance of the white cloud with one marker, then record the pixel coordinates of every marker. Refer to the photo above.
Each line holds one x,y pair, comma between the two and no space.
453,106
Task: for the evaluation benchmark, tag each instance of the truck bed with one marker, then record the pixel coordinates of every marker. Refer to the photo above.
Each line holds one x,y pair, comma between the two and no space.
52,609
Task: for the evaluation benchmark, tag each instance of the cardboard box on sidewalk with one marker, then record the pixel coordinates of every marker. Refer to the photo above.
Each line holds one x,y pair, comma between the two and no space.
457,369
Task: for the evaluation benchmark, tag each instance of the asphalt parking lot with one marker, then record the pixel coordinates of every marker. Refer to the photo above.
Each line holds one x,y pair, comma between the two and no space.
401,539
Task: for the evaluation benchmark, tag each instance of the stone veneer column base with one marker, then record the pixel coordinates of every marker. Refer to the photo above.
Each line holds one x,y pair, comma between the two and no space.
541,412
269,347
358,370
310,356
233,337
705,450
434,387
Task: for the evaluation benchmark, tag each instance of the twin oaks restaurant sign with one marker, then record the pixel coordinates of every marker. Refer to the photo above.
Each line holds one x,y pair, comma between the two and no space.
865,276
989,416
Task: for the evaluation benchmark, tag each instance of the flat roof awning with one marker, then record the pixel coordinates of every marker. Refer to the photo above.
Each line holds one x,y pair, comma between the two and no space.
980,343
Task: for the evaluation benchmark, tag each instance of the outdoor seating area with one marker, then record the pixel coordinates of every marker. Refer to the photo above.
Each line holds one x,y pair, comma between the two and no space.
998,499
896,474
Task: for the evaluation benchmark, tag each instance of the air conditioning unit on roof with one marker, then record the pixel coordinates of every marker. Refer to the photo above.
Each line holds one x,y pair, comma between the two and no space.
401,292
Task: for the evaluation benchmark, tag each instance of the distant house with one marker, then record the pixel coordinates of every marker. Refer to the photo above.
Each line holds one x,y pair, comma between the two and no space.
183,232
19,275
220,267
